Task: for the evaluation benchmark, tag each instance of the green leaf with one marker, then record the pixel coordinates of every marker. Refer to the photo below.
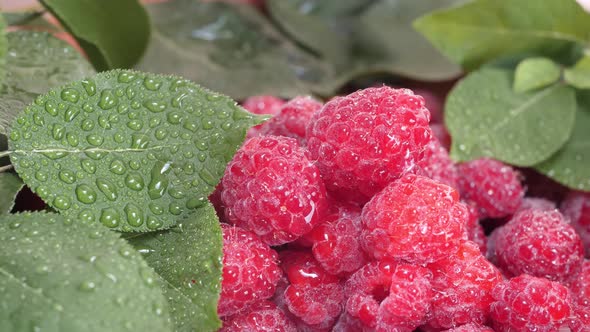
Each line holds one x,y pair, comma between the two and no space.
486,118
134,151
36,62
535,73
569,166
228,48
188,259
113,33
3,48
64,275
483,30
579,75
10,185
29,19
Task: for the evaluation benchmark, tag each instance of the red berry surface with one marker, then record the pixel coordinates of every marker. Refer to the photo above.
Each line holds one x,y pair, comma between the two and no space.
494,187
576,207
263,104
271,188
250,270
471,328
367,139
414,219
462,285
438,166
263,316
389,296
536,203
527,303
439,131
539,243
580,286
473,230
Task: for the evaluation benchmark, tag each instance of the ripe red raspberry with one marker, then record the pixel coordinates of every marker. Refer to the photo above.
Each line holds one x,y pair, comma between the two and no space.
389,296
473,229
439,131
493,186
250,270
414,219
576,207
536,203
433,102
263,316
292,119
336,242
263,104
271,188
471,328
580,286
438,166
313,295
367,139
539,243
462,285
528,303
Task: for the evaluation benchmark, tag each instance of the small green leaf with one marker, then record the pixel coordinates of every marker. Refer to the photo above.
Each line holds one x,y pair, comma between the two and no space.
36,62
579,75
64,275
114,33
134,151
535,73
232,49
482,30
569,166
10,185
486,118
188,259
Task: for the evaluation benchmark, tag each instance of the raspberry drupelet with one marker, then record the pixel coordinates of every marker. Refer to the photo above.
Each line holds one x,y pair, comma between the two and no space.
414,219
263,316
437,165
272,189
576,207
250,270
367,139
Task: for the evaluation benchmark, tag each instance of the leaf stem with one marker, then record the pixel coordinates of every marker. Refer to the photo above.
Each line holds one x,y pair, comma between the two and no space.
5,168
5,153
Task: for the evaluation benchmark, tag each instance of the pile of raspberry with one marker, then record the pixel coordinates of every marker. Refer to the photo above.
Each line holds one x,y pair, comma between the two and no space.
351,216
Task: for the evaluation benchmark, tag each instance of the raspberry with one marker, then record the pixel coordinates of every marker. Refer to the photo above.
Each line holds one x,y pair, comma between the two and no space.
471,328
263,104
336,242
473,229
580,286
528,303
261,316
462,284
437,165
313,295
367,139
347,323
439,131
576,207
389,296
493,186
292,118
433,103
536,203
271,188
539,243
415,219
250,270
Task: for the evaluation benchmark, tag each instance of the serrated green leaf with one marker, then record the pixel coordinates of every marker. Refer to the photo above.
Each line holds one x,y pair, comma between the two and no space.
569,166
64,275
483,30
486,118
232,49
135,151
188,259
113,33
579,75
535,73
10,185
36,62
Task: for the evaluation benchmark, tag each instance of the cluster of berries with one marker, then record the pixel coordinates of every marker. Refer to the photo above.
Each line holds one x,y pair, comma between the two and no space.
350,216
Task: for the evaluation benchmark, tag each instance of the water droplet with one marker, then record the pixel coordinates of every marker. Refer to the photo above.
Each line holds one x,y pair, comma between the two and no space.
135,124
58,131
70,94
72,139
209,178
134,164
117,167
191,125
14,224
88,286
95,154
153,223
159,181
53,155
86,216
42,269
89,86
155,106
195,202
134,181
125,252
126,77
38,119
161,133
95,139
139,141
85,194
107,188
177,192
41,176
175,209
174,118
206,124
154,122
88,166
87,125
110,217
107,100
14,135
104,122
134,215
151,83
67,176
156,209
51,107
87,108
71,113
61,202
